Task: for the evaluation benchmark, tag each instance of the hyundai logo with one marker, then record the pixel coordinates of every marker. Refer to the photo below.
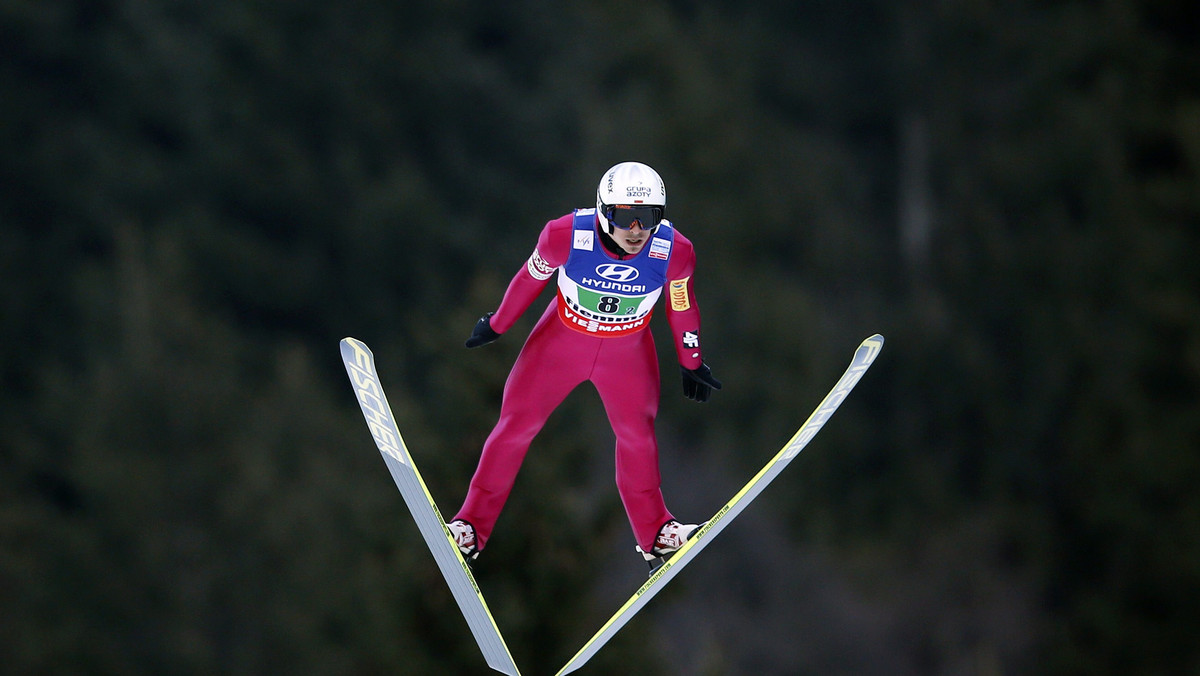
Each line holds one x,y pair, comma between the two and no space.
617,272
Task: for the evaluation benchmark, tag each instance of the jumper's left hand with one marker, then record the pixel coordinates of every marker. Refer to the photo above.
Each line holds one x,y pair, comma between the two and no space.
699,383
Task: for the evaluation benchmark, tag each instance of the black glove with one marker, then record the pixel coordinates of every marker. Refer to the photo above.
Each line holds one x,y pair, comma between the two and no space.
699,383
483,333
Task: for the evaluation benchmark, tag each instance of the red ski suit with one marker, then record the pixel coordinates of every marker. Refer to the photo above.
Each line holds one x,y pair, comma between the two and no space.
556,358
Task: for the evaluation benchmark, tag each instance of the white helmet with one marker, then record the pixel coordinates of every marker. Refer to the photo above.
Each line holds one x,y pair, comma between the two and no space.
628,192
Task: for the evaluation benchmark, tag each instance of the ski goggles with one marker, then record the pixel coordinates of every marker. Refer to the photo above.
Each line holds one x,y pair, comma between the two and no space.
624,216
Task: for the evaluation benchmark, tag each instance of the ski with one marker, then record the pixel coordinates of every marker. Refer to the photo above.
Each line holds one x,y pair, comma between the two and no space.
864,356
360,366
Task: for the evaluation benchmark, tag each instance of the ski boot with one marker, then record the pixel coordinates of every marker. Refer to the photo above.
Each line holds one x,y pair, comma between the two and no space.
464,536
670,538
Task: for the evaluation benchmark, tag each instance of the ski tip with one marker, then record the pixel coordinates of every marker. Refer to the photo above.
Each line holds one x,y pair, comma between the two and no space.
354,345
868,350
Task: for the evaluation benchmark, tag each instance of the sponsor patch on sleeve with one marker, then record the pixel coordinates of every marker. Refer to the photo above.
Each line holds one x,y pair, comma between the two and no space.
538,268
678,290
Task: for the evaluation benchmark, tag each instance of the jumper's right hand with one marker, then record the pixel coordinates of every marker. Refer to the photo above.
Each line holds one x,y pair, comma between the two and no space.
483,333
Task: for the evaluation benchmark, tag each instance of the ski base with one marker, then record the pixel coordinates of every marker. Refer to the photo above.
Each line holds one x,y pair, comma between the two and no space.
864,356
360,367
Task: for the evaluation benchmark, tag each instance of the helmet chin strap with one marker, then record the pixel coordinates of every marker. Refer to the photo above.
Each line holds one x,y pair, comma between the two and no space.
612,245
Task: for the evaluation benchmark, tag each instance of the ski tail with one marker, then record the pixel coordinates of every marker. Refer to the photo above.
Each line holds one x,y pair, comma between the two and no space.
864,356
360,367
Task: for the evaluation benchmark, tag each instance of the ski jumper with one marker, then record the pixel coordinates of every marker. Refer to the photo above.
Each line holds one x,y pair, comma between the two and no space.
594,330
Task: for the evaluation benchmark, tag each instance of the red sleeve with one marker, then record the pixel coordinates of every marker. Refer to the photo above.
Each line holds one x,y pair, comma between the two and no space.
553,247
683,312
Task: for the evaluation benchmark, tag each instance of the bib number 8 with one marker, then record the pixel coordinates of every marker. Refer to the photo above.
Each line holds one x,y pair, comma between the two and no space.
608,304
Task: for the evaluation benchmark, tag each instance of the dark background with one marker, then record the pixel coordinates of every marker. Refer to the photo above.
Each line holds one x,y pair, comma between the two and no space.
199,198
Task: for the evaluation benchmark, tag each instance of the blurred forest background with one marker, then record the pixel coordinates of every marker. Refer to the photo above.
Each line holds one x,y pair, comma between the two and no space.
199,199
